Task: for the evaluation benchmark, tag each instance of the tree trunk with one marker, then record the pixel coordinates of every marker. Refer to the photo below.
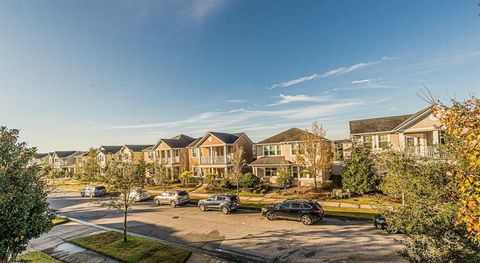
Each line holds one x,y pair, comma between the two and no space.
238,188
125,224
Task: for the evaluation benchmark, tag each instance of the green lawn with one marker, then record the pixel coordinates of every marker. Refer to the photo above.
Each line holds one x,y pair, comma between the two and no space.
60,220
134,250
37,257
365,200
355,213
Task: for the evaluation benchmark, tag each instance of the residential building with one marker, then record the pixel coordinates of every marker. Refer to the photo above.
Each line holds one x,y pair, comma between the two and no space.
343,149
63,160
40,158
213,152
80,160
130,153
171,153
281,150
106,154
418,133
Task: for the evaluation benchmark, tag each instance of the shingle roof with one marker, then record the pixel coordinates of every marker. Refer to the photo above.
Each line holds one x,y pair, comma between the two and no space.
227,138
110,149
383,124
40,155
290,135
179,141
137,147
270,160
194,142
63,154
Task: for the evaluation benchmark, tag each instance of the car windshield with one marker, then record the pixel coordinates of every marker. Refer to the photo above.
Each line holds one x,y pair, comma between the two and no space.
182,193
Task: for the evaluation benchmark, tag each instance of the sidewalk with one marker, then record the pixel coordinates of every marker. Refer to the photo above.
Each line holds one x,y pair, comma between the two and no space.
274,200
55,243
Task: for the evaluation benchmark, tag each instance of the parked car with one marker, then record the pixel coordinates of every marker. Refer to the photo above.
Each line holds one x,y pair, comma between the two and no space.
225,203
380,222
173,198
94,191
305,211
139,195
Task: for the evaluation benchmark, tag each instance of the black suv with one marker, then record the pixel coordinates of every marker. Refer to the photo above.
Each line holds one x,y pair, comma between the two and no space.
305,211
225,203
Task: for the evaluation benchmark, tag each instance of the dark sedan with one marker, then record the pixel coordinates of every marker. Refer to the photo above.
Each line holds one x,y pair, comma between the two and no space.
305,211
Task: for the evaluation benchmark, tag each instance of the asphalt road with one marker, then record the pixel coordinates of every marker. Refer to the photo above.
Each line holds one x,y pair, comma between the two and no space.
245,234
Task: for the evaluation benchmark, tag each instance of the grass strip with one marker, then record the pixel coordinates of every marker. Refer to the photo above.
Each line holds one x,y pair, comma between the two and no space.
37,257
60,220
134,250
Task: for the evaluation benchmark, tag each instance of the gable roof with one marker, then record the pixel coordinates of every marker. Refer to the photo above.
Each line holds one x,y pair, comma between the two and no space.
413,117
384,124
137,147
40,155
179,141
270,160
290,135
106,149
63,154
194,142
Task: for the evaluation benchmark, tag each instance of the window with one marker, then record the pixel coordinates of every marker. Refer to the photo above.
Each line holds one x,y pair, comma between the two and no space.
295,206
270,171
306,206
442,137
194,153
383,141
367,140
220,198
294,148
272,150
176,153
285,206
294,171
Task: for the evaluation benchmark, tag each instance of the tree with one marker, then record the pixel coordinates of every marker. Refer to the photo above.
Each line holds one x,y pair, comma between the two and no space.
284,177
427,216
238,162
140,173
249,180
461,124
314,153
122,180
89,168
159,175
185,176
24,212
359,174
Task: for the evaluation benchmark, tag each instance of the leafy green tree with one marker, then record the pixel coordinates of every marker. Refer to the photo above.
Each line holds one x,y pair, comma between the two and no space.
122,179
141,173
24,212
359,174
284,177
89,169
159,175
238,163
428,214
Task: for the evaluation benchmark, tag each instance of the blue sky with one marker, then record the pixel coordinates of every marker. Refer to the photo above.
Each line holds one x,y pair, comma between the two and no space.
75,74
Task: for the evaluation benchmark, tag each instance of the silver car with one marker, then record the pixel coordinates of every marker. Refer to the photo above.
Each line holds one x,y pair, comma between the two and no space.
173,198
139,195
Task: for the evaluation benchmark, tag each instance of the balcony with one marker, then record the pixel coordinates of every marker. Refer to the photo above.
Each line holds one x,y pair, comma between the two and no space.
426,151
216,159
170,160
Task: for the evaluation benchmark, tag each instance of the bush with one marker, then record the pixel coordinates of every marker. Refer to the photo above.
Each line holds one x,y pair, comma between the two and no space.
212,181
225,183
326,184
250,180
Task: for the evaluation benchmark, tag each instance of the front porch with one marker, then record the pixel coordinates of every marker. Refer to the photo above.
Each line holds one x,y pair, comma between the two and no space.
422,143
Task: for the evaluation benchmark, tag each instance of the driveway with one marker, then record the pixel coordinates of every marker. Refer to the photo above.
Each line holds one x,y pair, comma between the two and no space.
245,234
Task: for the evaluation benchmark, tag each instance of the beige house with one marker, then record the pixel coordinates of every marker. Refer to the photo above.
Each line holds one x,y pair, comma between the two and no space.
213,152
281,150
106,154
171,153
343,149
130,153
63,160
418,133
40,159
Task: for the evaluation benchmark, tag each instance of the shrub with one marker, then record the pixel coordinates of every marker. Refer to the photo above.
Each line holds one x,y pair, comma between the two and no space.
250,180
225,183
211,180
326,184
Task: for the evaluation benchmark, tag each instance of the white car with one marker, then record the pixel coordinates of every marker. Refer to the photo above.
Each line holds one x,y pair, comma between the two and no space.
139,195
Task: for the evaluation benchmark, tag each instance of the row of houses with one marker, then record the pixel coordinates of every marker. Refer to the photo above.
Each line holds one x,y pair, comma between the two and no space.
212,153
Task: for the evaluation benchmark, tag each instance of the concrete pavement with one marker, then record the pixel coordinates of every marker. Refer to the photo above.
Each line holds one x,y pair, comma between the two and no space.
243,234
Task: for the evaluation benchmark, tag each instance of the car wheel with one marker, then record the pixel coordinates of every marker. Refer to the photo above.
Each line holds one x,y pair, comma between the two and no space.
202,208
271,216
173,204
157,202
82,194
225,210
379,226
306,220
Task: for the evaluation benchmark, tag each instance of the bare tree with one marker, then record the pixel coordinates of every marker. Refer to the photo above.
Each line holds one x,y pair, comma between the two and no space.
122,180
238,163
315,153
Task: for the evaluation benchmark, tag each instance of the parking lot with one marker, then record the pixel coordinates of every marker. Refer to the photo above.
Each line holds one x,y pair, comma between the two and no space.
243,233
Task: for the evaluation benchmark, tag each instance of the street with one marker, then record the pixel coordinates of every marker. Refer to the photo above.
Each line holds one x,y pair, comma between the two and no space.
245,234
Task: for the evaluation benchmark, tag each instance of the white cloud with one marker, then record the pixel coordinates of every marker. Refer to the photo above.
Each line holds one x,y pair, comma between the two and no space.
285,99
362,81
331,73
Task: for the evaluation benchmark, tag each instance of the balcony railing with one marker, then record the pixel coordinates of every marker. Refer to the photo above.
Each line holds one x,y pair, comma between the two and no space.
215,159
426,151
170,160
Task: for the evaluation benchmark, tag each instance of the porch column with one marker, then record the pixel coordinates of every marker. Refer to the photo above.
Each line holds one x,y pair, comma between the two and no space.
401,141
225,153
435,139
255,171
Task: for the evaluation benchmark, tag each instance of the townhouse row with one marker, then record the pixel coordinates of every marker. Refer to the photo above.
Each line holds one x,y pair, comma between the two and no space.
213,152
